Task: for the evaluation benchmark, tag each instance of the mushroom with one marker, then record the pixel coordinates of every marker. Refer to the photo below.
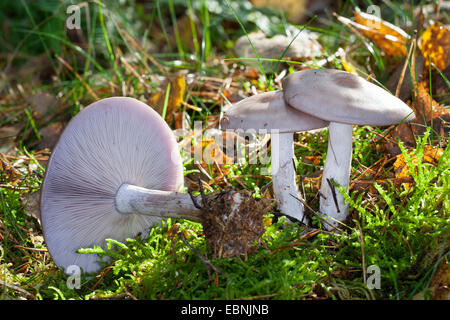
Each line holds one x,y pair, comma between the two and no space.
343,99
268,111
115,171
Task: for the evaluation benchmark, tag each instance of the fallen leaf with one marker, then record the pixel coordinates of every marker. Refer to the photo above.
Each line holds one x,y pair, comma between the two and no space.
215,161
439,285
428,112
315,160
267,222
173,231
42,103
407,84
50,135
432,155
388,37
7,138
435,45
8,174
404,132
251,73
401,169
313,181
176,89
185,25
441,87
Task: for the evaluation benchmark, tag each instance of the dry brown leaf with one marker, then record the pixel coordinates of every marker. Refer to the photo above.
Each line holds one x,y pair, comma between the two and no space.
214,161
388,37
176,97
251,73
401,169
410,78
405,132
173,231
186,33
442,90
31,202
8,174
7,137
435,45
315,160
428,112
50,135
313,181
42,103
439,285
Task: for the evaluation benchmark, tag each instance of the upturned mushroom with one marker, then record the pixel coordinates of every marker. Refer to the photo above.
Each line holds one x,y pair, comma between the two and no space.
344,100
115,171
268,111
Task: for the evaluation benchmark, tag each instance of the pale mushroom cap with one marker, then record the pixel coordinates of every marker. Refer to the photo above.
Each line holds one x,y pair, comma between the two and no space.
339,96
113,141
268,111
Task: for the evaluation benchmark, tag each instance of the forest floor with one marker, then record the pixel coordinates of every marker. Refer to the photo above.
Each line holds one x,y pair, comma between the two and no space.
188,59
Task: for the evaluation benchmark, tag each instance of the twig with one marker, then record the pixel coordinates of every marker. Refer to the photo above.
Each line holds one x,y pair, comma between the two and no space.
31,249
104,273
89,89
317,214
190,106
333,193
368,168
17,289
141,50
402,75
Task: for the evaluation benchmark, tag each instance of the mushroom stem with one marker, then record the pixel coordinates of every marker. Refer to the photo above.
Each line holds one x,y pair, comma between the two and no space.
132,199
283,176
337,168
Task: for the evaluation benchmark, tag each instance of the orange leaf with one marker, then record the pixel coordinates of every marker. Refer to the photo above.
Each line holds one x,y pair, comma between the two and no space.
389,38
430,155
176,95
348,66
173,231
315,160
435,45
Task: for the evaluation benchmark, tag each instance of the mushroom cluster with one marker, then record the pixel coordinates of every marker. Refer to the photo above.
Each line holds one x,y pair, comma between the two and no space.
116,169
268,111
313,99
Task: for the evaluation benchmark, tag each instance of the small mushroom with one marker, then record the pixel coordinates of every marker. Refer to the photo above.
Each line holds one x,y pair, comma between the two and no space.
268,111
115,171
343,99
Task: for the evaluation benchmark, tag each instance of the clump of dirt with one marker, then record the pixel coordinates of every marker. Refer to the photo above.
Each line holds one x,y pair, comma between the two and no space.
233,222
